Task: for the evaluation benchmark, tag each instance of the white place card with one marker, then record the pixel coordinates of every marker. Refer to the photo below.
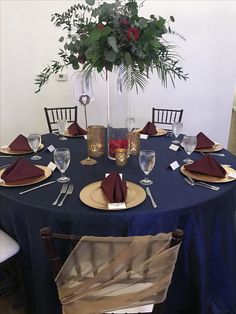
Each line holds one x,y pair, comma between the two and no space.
52,166
117,206
174,165
231,175
144,136
51,148
174,147
85,137
107,174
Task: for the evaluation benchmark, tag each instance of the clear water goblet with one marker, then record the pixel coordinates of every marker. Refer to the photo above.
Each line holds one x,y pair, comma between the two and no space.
62,124
62,161
147,160
34,141
189,143
176,130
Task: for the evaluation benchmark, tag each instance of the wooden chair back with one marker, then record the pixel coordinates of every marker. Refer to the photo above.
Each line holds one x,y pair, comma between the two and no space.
56,113
166,116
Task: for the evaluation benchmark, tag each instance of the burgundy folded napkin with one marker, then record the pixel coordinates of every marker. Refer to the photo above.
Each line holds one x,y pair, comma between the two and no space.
207,165
20,143
21,169
114,188
203,141
149,129
75,129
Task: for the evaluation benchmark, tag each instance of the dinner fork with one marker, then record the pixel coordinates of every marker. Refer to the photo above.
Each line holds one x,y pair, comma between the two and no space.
69,191
63,191
203,184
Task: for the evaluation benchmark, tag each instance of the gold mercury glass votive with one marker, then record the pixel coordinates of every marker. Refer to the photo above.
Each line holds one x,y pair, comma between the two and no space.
121,156
133,143
96,140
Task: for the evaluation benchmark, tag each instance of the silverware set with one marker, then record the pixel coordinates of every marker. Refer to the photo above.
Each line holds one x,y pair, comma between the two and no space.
191,182
65,191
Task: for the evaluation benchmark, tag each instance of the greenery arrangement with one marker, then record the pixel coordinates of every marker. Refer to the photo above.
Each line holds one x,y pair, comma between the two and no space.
106,35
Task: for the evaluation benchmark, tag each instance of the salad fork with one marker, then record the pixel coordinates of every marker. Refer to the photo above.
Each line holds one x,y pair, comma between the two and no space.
63,191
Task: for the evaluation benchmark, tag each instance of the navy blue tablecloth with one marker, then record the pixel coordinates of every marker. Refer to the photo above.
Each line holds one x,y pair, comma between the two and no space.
204,281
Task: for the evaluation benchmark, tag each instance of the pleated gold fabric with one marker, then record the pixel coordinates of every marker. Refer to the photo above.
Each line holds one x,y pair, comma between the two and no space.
111,273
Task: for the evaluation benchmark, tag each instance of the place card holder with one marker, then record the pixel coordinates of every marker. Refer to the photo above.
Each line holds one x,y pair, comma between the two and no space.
117,206
174,165
52,166
50,149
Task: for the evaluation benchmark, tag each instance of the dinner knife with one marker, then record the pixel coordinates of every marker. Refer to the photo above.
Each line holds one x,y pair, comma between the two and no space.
4,166
37,187
149,194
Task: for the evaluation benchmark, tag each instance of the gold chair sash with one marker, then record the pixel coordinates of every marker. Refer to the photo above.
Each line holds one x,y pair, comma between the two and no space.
111,273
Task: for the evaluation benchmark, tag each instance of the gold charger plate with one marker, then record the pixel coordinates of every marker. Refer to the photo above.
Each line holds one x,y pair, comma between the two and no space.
214,148
67,134
208,178
47,173
160,132
8,151
93,196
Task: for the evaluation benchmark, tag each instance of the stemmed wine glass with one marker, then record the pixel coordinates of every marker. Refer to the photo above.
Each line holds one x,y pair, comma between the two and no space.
61,124
62,161
189,143
146,161
34,141
176,129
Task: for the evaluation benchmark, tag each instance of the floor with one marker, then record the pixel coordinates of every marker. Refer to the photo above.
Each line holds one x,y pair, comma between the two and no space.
5,302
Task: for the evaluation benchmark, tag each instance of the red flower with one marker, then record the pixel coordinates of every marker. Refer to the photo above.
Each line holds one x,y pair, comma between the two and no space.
114,144
82,59
133,33
101,26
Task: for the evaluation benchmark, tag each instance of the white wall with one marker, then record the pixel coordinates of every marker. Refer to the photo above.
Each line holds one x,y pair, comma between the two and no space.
29,41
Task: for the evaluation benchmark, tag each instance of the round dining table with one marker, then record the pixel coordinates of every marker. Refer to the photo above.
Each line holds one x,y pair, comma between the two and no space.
204,280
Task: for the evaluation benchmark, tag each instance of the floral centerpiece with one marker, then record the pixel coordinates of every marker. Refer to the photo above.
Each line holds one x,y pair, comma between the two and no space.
103,36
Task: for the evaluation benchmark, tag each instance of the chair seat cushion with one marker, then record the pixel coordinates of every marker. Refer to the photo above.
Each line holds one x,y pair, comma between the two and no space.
8,246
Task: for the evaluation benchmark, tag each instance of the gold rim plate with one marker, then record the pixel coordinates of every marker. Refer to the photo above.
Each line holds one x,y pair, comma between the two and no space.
67,134
160,132
8,151
47,173
214,148
208,178
93,196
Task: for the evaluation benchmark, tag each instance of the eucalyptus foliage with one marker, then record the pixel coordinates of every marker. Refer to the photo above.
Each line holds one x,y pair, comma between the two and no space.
103,36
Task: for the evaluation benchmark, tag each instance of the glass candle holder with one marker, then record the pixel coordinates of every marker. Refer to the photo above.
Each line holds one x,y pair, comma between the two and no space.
133,143
96,140
121,156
